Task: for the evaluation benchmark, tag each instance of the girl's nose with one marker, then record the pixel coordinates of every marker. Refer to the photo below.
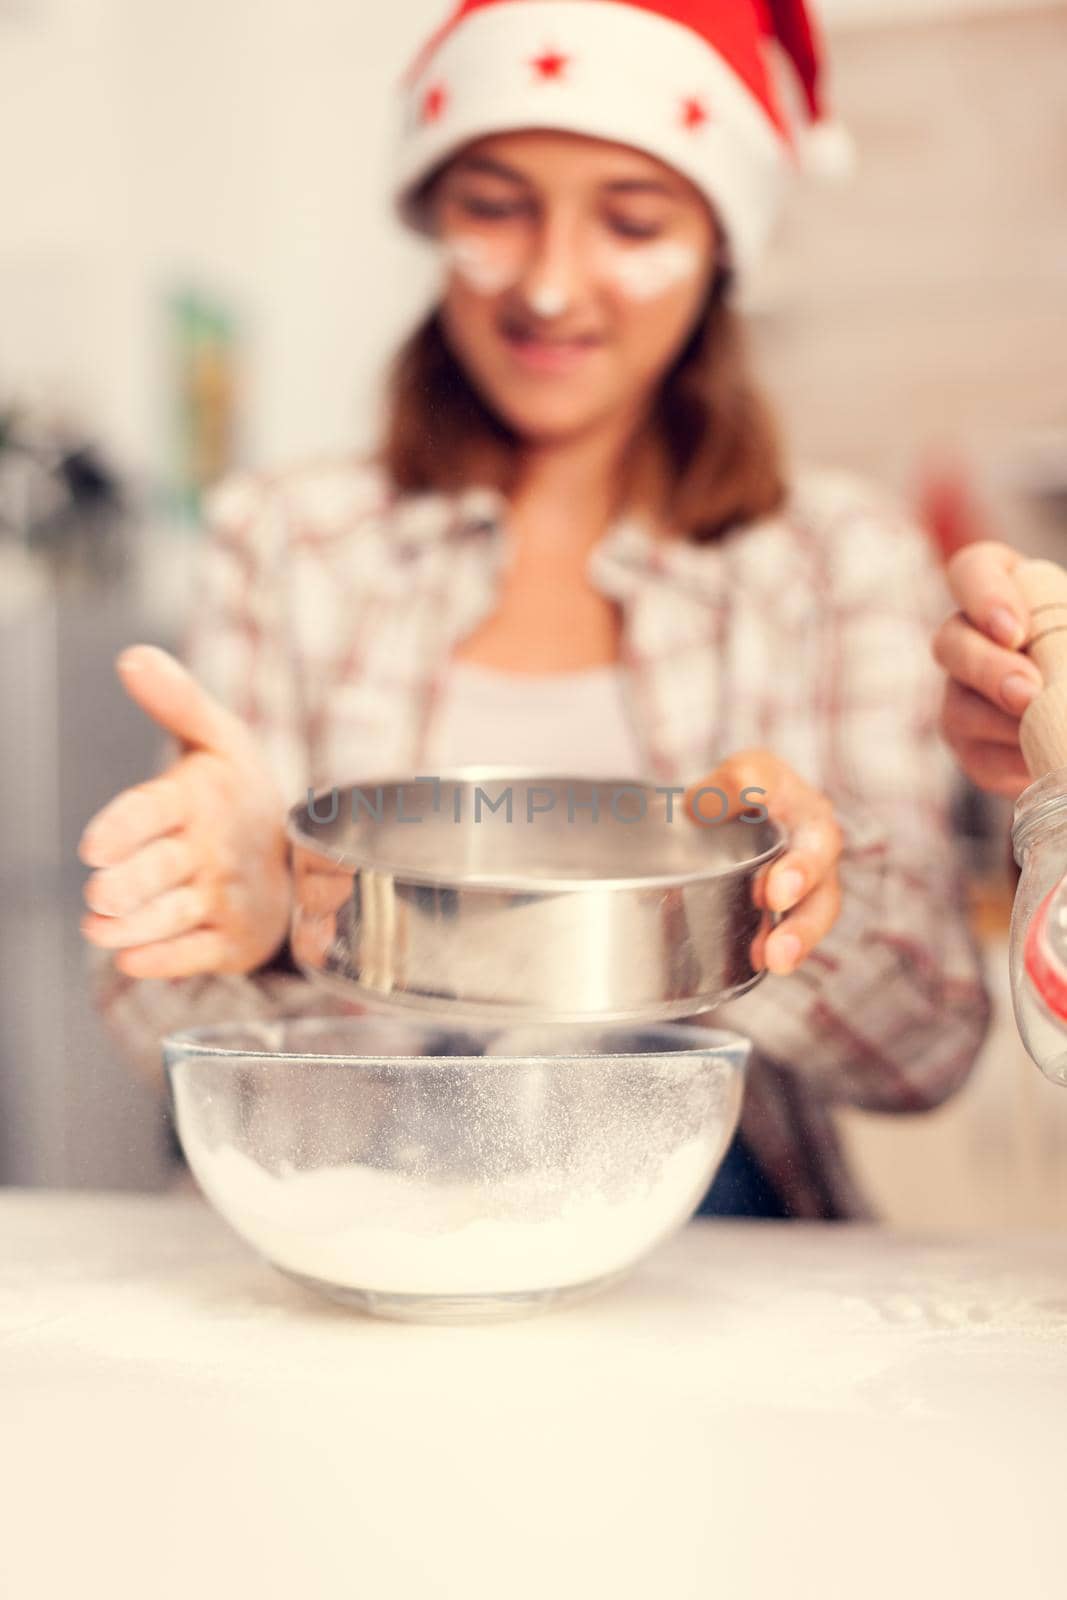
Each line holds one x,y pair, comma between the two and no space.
552,280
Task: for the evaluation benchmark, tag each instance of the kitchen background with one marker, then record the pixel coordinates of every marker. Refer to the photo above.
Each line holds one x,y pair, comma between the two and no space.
197,268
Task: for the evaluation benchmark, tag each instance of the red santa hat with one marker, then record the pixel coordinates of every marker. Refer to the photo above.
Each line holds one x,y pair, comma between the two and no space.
688,81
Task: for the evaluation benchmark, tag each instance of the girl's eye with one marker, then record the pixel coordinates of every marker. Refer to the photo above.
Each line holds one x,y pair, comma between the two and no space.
627,228
490,210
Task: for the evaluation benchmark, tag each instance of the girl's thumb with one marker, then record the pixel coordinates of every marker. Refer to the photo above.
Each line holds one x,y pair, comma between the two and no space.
171,696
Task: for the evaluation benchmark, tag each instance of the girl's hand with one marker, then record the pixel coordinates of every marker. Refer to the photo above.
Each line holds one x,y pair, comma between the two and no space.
990,683
193,865
801,882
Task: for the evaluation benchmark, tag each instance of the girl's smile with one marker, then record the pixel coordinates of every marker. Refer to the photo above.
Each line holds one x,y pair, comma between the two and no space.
546,350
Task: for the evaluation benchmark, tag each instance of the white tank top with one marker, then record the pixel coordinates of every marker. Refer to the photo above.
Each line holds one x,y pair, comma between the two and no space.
565,722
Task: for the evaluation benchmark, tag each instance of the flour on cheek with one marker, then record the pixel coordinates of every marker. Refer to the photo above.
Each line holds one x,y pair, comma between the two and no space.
651,270
486,268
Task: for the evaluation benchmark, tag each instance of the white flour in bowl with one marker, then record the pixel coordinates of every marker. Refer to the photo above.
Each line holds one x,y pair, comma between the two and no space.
361,1227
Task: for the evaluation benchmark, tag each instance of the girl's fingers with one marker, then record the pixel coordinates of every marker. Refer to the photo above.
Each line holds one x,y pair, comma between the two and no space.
965,715
165,688
166,917
789,879
994,767
814,847
757,950
981,579
1004,677
742,782
323,888
165,864
753,777
202,951
131,820
798,933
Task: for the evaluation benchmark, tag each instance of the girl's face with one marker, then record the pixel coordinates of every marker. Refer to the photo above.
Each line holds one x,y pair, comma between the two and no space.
575,272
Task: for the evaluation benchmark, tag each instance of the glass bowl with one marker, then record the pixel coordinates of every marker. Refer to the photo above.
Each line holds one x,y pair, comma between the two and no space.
430,1172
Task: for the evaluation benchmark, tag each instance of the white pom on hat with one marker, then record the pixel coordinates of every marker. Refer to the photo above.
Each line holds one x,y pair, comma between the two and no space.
827,151
825,148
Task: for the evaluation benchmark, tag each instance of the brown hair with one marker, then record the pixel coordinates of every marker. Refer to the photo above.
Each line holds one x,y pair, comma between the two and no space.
710,461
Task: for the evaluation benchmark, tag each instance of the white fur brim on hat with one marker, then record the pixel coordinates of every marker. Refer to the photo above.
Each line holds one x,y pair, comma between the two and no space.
628,75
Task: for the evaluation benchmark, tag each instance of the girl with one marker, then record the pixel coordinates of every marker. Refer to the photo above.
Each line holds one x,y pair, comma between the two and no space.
578,548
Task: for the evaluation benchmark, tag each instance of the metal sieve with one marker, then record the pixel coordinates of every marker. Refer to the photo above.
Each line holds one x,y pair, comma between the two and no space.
499,895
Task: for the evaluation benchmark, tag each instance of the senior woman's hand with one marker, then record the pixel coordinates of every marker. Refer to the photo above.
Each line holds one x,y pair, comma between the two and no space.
990,683
193,869
803,882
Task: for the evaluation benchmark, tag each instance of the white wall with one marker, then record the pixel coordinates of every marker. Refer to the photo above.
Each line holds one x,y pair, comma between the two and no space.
62,256
848,12
265,168
241,142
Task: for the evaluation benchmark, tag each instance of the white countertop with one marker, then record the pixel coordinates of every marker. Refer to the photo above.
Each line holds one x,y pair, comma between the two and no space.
761,1410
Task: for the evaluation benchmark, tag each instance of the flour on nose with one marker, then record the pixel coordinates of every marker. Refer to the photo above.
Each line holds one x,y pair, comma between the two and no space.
548,301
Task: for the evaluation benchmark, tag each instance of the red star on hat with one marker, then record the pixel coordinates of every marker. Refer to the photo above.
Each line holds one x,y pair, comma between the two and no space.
434,102
694,114
551,64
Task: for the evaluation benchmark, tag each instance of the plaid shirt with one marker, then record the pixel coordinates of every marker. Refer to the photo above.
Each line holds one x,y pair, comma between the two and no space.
327,608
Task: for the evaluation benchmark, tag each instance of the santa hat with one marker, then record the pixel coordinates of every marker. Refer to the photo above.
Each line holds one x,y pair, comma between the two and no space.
688,81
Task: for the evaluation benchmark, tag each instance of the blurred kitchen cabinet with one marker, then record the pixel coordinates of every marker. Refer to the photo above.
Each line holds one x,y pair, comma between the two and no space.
71,1113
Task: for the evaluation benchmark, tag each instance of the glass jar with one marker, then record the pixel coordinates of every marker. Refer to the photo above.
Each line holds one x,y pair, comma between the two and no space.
1039,841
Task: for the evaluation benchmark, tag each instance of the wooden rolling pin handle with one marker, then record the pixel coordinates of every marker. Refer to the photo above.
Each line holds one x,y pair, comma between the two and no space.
1043,728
